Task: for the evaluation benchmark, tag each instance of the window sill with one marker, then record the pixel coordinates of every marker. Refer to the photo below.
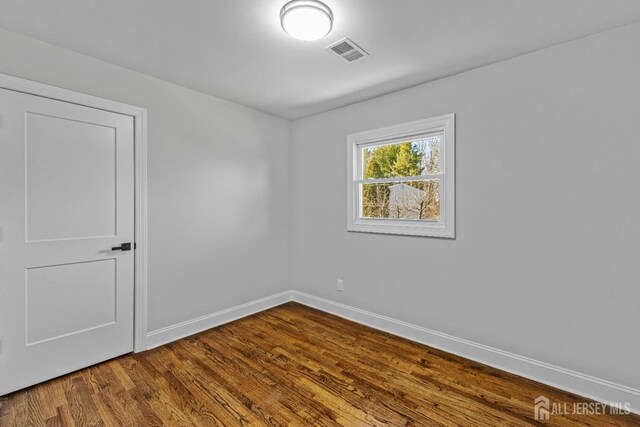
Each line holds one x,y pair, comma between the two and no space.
405,228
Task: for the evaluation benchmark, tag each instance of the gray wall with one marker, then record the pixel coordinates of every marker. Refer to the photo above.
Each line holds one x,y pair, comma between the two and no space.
218,181
546,263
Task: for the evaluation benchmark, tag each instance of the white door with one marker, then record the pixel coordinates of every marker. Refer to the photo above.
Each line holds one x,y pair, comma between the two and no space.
66,199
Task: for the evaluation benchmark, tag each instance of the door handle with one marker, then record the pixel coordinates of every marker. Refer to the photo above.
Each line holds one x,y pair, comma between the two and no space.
123,247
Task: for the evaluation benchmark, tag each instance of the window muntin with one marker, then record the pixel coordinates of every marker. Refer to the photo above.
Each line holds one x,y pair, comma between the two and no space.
401,179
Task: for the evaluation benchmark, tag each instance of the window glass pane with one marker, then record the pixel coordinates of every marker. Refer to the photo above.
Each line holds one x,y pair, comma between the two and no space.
402,200
410,158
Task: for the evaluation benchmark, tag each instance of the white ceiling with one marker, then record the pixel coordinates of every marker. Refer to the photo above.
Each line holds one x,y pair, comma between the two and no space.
235,49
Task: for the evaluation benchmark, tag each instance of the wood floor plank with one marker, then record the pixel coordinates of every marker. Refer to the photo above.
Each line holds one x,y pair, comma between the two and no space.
37,411
64,416
80,401
291,366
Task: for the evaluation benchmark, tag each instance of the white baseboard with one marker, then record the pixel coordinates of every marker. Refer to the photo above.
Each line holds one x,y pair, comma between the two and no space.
184,329
565,379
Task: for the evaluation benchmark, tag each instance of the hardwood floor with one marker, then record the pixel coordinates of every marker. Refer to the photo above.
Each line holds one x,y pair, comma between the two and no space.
291,365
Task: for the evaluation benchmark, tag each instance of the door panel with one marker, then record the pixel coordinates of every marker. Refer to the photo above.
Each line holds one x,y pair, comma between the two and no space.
66,198
80,202
69,299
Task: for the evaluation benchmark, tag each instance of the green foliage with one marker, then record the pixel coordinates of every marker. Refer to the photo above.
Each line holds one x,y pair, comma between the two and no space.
388,161
407,162
379,161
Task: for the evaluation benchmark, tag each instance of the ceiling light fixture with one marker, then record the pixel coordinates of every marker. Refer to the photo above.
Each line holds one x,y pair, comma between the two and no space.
306,19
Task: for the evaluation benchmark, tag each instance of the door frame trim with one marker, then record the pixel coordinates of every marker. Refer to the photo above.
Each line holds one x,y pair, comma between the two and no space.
139,116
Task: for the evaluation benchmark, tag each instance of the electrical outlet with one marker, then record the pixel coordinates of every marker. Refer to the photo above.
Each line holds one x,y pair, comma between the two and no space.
340,285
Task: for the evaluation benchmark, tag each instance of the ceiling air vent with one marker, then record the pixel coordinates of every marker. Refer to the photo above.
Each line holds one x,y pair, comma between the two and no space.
347,50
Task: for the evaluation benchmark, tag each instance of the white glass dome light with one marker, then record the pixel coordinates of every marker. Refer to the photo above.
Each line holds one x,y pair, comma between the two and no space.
306,19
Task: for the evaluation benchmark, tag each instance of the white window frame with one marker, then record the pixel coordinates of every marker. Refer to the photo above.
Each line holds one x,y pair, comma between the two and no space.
445,226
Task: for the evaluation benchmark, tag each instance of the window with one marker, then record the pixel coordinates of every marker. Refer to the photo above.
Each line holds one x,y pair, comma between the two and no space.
401,179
